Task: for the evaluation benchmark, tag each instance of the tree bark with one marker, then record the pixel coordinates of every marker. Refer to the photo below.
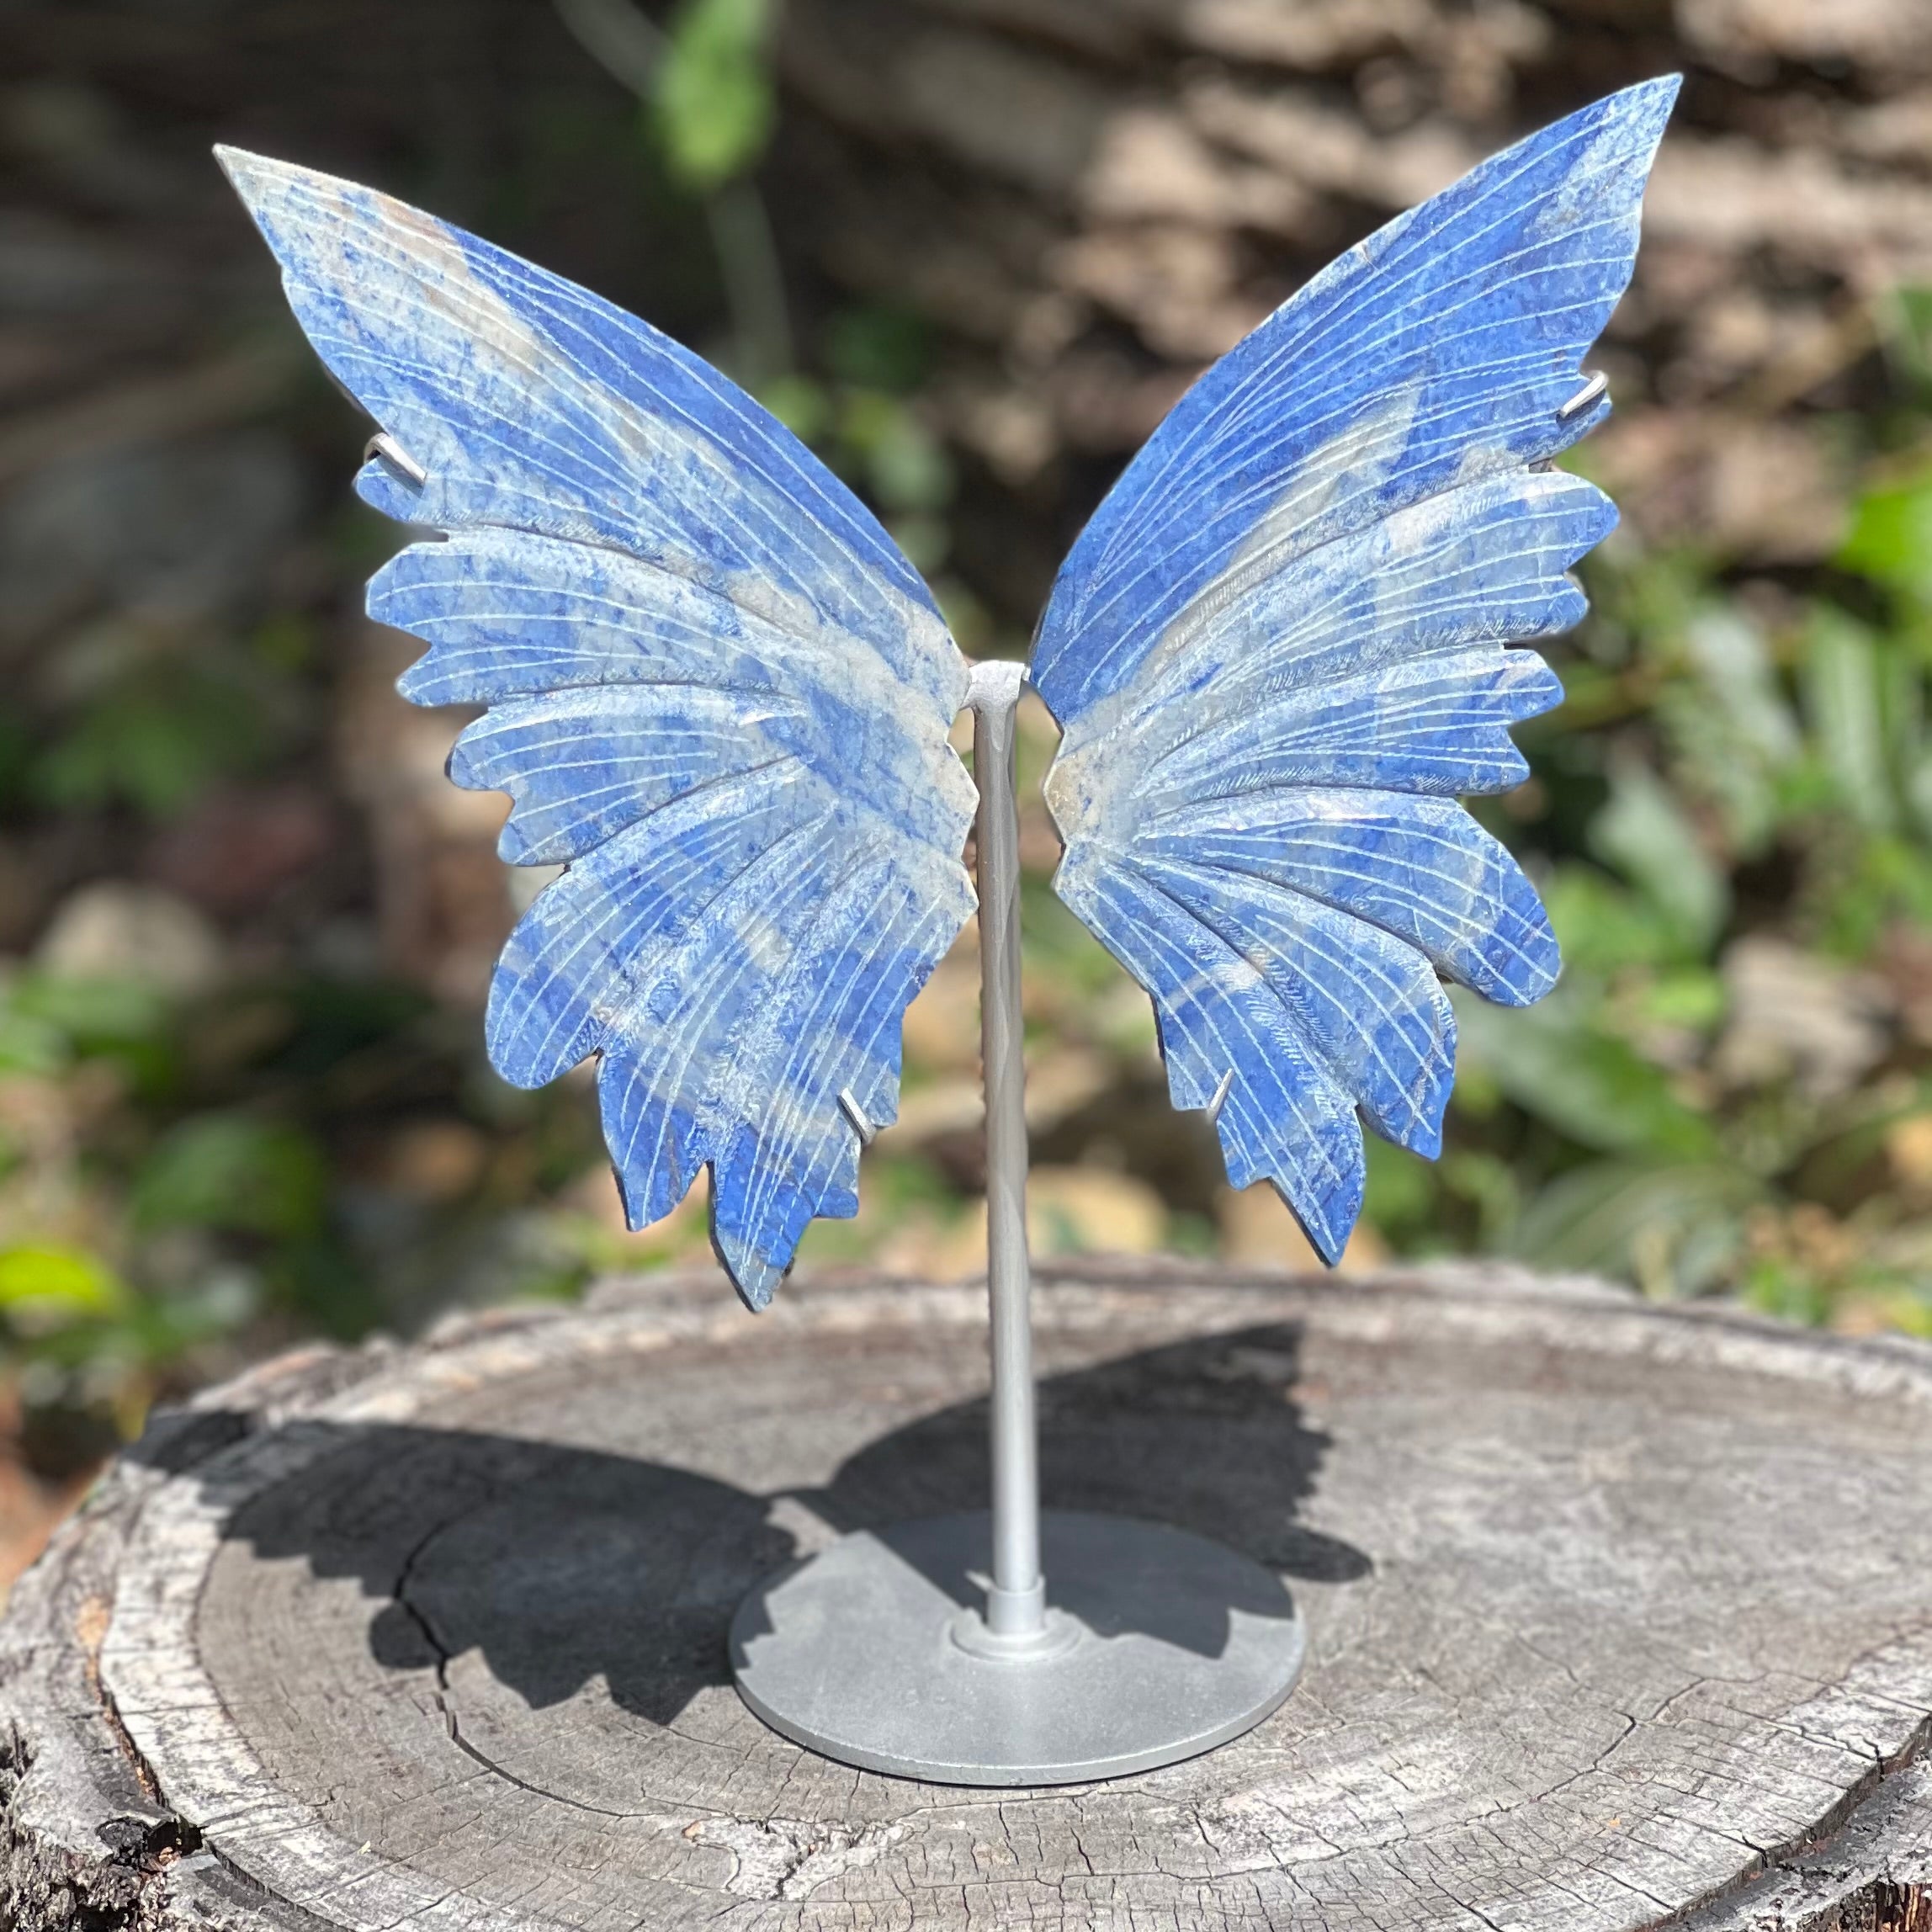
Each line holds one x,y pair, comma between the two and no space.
1619,1617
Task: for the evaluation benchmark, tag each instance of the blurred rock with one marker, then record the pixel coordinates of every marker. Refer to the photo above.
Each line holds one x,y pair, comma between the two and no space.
1760,492
929,1247
74,136
1176,285
1772,495
1328,149
53,268
1796,1017
1908,1154
23,894
937,1111
179,527
1905,959
434,1161
1893,35
1257,1231
1070,1211
686,1229
1149,165
942,1030
1092,1211
1733,195
1897,130
141,934
442,897
1061,1081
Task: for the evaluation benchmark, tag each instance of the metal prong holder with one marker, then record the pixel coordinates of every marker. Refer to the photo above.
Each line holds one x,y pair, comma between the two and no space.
1009,1647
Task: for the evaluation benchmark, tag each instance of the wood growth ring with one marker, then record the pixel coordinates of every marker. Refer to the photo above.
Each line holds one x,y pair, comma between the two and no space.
1612,1613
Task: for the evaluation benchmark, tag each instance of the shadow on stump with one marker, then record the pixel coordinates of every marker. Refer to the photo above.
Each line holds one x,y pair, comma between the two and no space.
562,1564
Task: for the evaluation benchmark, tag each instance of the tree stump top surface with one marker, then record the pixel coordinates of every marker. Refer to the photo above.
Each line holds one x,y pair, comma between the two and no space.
1612,1611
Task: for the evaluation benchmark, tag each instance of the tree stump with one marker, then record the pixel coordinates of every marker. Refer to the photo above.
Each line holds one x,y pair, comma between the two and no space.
1619,1616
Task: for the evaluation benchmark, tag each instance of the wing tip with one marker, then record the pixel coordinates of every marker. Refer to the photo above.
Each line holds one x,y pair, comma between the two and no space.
1421,1136
254,179
258,179
1643,108
422,683
1656,96
1327,1234
1632,120
520,1054
755,1276
267,185
1530,976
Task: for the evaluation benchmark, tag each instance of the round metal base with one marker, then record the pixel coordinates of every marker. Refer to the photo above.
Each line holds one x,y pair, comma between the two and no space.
1160,1645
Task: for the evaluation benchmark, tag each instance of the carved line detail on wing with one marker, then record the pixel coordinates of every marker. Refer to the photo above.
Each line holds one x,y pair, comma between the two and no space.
1400,242
675,1037
1524,253
1512,535
376,218
581,406
821,698
1309,1143
1340,518
1350,620
804,488
1528,364
810,1080
1385,893
1393,981
672,862
1443,717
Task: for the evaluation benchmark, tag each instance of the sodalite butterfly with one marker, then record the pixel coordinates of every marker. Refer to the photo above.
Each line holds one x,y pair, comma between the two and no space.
720,696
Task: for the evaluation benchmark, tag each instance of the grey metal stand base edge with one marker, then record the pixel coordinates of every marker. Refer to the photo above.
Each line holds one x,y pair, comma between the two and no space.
1158,1645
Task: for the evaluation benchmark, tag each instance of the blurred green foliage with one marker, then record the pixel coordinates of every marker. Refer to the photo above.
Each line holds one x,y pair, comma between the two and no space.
291,1154
1729,1089
863,415
713,101
1730,1092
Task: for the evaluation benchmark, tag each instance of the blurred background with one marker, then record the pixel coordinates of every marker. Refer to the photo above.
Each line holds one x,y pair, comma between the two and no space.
971,250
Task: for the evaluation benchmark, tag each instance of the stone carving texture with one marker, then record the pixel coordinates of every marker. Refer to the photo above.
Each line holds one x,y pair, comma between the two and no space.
718,694
1277,654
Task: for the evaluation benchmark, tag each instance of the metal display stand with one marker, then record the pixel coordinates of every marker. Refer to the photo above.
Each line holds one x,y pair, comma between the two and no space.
1006,1648
554,442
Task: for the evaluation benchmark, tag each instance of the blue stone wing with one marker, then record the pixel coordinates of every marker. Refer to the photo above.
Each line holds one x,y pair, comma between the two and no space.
1276,655
715,690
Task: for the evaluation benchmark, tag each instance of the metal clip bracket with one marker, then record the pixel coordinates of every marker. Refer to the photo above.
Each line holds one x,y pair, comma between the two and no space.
391,452
1598,385
862,1123
1220,1099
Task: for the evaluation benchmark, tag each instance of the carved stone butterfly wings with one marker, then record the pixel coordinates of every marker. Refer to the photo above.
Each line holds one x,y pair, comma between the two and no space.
719,696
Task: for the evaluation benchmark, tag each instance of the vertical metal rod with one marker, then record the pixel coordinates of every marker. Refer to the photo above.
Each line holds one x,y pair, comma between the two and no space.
1016,1605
